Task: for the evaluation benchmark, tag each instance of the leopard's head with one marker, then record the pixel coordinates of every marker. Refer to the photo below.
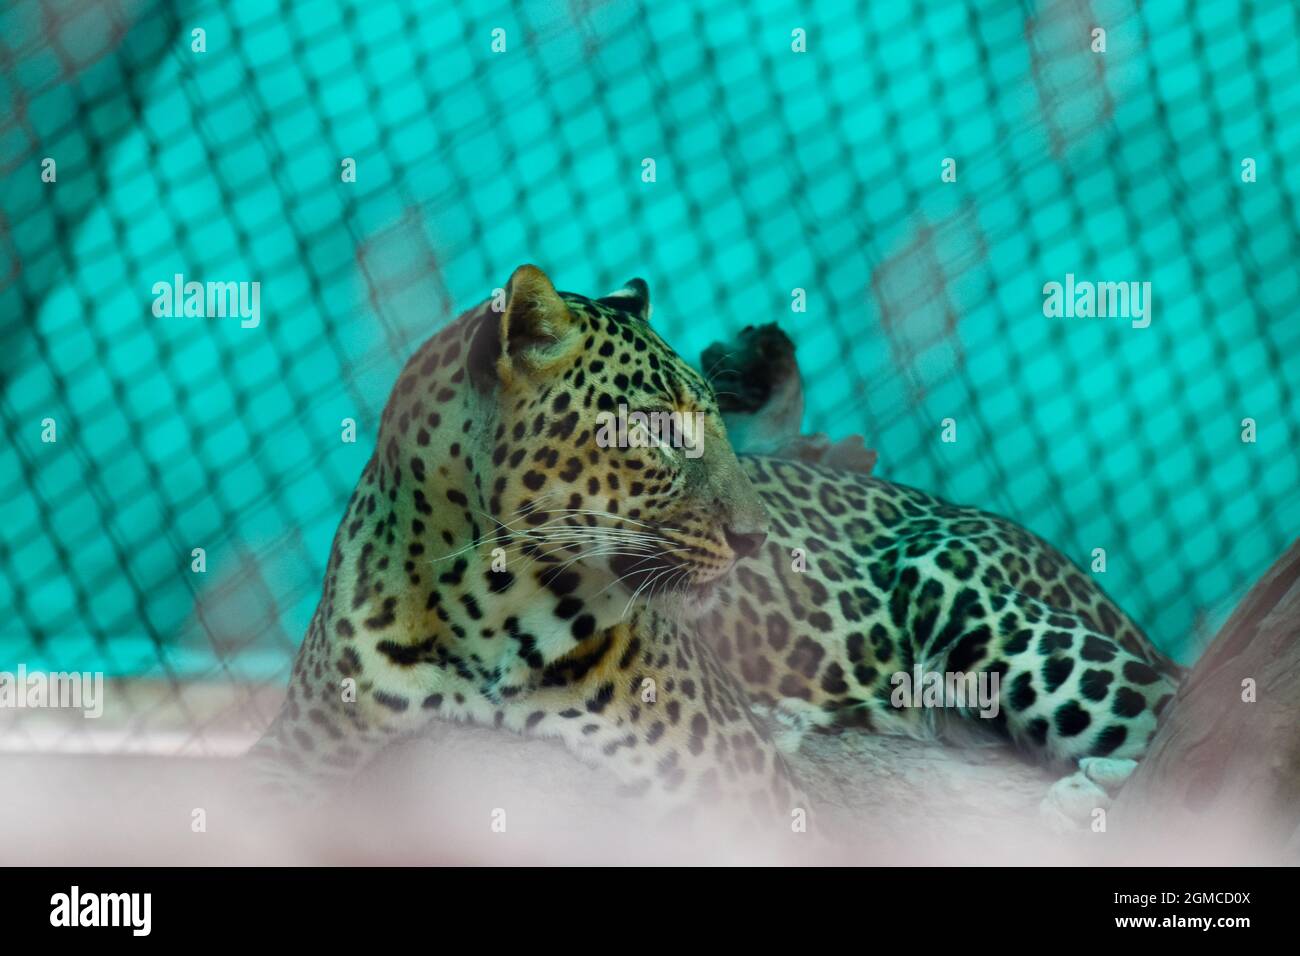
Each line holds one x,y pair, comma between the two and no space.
606,452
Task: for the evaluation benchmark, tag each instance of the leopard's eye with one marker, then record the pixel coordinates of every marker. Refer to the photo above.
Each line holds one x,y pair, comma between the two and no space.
665,434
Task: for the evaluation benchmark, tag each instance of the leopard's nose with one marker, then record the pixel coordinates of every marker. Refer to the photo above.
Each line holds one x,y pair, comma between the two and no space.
745,543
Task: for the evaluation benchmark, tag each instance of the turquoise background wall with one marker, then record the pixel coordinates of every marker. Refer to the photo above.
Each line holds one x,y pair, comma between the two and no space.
775,170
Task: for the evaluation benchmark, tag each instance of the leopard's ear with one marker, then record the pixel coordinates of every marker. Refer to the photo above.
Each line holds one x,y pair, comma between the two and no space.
536,328
522,332
633,298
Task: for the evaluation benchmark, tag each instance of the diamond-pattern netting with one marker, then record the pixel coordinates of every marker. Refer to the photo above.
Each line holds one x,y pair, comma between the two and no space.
775,170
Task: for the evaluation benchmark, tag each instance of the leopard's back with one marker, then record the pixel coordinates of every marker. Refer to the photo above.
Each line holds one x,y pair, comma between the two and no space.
862,579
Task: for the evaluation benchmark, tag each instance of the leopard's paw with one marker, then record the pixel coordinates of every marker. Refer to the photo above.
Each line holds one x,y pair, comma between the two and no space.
1072,802
1107,772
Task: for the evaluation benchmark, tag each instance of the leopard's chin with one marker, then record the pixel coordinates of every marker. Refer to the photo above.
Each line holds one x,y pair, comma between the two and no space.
698,600
666,584
686,604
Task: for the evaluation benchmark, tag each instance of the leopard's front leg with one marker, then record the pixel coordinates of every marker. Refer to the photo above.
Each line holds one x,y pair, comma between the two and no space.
335,718
644,700
649,701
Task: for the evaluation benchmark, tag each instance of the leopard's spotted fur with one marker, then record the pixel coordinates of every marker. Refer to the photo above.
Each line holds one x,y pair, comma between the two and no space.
891,579
486,566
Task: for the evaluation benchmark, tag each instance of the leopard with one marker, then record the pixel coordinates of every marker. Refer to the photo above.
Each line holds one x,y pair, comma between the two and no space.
679,619
498,564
